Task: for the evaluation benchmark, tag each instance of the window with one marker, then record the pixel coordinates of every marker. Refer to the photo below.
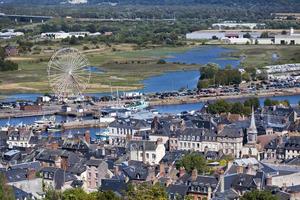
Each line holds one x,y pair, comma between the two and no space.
147,155
153,156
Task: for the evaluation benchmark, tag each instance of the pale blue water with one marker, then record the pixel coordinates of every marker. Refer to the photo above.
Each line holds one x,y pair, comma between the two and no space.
204,55
171,81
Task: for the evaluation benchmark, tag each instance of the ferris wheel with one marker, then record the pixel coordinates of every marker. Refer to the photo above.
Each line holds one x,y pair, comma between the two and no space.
69,72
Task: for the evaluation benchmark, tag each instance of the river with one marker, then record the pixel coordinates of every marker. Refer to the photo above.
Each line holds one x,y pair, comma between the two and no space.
168,81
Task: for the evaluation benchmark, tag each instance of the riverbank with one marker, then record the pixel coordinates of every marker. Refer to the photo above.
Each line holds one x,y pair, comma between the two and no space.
199,99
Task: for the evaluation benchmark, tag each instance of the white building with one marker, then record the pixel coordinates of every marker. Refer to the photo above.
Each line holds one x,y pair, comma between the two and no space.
10,34
228,24
292,38
237,40
147,151
21,139
122,130
63,35
78,1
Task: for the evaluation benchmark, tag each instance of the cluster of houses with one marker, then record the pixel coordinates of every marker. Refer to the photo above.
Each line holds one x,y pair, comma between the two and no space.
247,36
262,150
10,33
64,35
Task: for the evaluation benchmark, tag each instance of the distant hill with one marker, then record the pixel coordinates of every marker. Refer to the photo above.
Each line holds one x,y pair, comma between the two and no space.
167,2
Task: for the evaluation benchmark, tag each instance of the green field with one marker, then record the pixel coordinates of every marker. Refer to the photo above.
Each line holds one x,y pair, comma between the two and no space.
261,55
125,66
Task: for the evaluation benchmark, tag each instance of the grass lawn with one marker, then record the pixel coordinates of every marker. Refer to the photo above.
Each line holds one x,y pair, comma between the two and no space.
131,68
261,55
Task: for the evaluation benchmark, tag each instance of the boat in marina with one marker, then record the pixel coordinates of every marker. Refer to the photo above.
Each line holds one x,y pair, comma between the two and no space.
44,123
137,105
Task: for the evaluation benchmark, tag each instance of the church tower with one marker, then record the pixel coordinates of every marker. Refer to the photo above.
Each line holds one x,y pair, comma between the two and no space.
252,130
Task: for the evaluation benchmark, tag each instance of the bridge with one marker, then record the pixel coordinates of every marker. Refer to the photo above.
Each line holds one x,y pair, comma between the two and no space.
26,18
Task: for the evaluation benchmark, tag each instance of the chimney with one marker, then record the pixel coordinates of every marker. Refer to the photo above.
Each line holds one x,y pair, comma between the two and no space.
31,174
162,169
181,172
280,139
269,180
250,170
116,170
222,183
159,141
194,174
87,137
239,169
220,127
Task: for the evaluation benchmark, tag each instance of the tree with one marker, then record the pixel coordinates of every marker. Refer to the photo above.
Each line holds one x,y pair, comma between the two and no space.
270,102
264,35
192,161
51,194
252,102
259,195
146,191
107,195
2,53
73,40
6,191
220,106
247,35
237,108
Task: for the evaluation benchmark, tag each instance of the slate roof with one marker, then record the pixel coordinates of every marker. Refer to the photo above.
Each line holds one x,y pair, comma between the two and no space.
293,189
229,194
29,165
140,145
197,134
115,185
21,194
243,182
135,170
293,161
130,124
231,131
293,143
172,156
179,189
16,175
94,162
